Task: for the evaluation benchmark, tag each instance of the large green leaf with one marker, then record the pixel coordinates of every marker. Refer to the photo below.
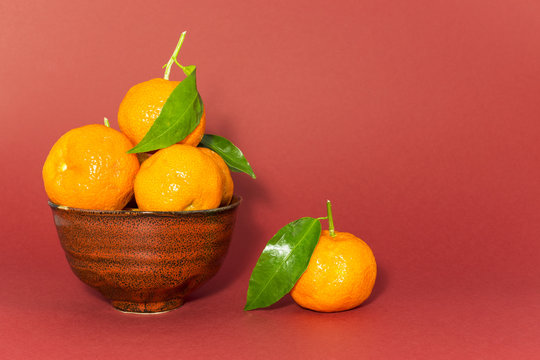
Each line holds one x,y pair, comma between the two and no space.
282,262
179,116
232,155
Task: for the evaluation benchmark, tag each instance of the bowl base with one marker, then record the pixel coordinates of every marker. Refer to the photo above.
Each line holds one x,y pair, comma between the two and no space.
147,307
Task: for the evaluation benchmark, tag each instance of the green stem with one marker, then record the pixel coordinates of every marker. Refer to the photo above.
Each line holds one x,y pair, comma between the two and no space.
330,219
106,122
173,60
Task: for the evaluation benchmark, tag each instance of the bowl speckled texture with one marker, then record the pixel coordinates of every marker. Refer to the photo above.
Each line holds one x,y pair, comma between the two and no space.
144,261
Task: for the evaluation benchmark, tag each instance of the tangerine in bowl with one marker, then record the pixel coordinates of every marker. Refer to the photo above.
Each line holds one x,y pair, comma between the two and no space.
145,261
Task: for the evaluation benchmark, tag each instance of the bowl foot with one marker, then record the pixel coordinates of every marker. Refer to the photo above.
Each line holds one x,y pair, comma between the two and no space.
147,307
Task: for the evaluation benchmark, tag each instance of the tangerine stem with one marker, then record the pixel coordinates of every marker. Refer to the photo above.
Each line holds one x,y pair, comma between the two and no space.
173,60
106,122
330,219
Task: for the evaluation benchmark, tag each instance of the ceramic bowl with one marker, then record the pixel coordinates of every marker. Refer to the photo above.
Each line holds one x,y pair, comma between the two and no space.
145,261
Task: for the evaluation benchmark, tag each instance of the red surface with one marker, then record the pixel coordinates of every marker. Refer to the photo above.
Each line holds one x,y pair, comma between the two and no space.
420,120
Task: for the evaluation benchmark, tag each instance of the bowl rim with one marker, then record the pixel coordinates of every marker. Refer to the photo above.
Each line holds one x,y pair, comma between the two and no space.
236,200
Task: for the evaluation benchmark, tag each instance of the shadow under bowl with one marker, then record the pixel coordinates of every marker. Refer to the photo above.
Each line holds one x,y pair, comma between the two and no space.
145,261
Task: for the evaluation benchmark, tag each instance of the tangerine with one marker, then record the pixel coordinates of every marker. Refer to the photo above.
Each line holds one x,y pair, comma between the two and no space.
88,168
142,105
340,275
228,185
177,178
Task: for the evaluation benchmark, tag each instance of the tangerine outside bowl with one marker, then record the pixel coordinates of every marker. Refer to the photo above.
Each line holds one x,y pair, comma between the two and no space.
145,261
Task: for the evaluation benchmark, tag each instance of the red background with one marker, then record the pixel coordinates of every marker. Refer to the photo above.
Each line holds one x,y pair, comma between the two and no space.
420,120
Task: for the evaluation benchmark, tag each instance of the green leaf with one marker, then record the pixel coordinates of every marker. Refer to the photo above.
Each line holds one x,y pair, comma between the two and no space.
232,155
282,262
179,116
188,69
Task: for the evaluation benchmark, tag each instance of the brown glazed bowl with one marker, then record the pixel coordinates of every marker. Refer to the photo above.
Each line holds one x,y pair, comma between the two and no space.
145,261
